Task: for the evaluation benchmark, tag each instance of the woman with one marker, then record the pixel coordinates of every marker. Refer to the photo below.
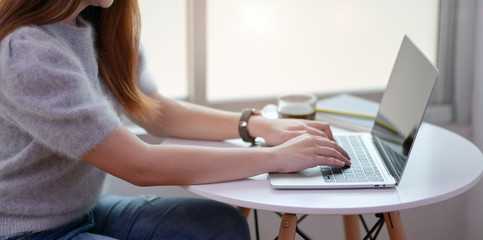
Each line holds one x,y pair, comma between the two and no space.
68,68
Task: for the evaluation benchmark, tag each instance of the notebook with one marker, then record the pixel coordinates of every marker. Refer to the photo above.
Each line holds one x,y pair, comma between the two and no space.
380,156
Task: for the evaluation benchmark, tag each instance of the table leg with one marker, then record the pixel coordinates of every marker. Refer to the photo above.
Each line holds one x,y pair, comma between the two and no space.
395,226
351,227
288,227
245,211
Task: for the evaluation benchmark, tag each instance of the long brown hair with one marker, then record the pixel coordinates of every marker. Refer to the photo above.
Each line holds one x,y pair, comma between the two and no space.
118,30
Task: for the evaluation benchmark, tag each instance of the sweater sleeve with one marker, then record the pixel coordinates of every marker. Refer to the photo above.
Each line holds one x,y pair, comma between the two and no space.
46,92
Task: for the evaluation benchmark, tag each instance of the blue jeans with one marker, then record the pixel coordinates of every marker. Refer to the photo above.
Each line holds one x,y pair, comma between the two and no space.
148,217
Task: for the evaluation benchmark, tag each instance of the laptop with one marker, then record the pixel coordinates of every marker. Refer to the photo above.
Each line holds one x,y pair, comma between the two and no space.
380,156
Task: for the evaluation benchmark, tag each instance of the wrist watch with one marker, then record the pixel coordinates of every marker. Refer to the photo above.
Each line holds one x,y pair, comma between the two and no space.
243,124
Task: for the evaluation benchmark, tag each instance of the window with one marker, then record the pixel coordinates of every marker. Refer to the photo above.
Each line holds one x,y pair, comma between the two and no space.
257,48
260,48
164,38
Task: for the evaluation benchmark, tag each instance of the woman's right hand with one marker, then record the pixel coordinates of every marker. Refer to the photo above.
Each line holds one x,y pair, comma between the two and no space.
306,151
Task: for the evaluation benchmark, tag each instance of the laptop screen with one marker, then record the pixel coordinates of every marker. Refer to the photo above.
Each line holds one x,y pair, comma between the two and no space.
403,105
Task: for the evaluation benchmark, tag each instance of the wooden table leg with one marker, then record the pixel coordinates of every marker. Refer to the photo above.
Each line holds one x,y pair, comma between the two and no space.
288,227
351,227
245,211
395,226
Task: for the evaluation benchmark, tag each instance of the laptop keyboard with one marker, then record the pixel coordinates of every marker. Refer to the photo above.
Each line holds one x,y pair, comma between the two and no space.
362,169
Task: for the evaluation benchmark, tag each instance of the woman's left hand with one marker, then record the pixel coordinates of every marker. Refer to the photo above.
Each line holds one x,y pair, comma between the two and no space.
278,131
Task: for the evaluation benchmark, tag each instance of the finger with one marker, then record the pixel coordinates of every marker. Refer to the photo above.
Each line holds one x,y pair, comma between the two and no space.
330,161
324,127
317,132
332,153
333,144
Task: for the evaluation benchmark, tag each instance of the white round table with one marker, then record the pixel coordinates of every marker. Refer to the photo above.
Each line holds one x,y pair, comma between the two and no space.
441,166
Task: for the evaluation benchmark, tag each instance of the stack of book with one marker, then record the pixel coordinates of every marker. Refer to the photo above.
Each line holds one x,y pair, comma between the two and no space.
348,112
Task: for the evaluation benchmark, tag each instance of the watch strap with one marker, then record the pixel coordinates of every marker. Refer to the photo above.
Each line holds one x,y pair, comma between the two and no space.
243,124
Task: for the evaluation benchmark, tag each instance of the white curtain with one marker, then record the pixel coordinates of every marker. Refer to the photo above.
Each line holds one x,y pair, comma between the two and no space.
475,195
477,106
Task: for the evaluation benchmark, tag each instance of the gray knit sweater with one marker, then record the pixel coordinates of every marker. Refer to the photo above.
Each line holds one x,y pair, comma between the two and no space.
53,109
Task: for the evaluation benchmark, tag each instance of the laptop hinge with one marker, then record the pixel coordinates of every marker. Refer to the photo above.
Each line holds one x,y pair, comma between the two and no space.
387,160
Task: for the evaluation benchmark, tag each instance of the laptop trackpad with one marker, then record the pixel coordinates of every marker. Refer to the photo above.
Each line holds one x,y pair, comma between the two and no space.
308,177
